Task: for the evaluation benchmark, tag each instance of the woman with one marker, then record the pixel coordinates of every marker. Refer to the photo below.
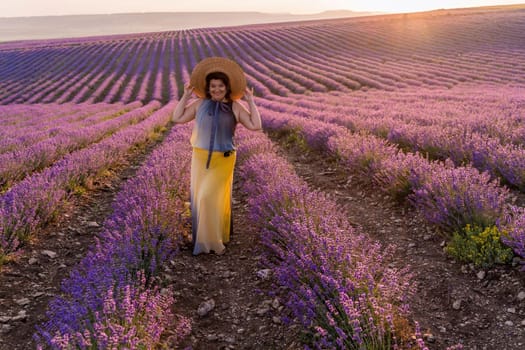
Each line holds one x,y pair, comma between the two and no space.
219,83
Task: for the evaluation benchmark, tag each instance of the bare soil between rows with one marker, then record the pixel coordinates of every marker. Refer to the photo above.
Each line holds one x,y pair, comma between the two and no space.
489,315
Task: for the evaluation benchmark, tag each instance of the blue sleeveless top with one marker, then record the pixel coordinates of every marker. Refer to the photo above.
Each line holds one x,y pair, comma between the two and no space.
214,127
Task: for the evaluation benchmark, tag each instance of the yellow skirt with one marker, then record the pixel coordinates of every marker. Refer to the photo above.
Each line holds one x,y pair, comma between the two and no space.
211,196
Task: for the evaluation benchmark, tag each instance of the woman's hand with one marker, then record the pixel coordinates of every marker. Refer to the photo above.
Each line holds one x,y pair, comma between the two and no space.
250,117
248,95
185,112
188,91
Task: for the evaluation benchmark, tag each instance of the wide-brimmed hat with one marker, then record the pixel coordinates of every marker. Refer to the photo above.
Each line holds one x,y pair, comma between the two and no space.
218,64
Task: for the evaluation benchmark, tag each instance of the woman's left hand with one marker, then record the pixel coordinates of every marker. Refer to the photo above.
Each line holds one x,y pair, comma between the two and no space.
248,94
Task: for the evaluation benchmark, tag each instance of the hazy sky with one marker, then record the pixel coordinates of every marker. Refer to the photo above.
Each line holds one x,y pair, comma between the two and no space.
16,8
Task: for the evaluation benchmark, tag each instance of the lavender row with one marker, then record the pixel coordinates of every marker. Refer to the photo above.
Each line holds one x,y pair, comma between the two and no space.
57,73
335,281
99,74
491,110
18,164
21,138
458,143
85,58
427,64
113,298
17,119
448,196
36,200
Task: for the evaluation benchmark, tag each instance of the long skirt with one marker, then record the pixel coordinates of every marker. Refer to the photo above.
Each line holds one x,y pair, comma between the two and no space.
211,198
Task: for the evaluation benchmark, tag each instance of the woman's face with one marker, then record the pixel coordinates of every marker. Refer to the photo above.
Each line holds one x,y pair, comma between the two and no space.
217,89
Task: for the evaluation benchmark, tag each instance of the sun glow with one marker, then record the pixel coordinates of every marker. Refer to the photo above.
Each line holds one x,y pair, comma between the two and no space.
62,7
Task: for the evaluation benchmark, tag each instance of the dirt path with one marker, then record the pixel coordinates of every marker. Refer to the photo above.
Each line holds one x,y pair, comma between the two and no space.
28,283
244,316
454,303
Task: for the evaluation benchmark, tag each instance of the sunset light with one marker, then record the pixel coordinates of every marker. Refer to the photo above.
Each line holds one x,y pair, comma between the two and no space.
62,7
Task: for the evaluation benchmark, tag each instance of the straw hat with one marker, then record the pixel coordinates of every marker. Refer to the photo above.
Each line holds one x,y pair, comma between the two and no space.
218,64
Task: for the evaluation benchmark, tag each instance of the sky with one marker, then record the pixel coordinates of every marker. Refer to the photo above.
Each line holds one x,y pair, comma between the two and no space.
25,8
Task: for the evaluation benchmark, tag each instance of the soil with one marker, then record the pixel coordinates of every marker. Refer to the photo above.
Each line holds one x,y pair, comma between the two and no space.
454,303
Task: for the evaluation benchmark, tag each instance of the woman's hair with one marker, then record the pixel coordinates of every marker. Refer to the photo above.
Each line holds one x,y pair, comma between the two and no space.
218,76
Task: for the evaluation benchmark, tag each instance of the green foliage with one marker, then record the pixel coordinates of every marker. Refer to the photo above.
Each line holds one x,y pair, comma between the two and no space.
478,245
295,137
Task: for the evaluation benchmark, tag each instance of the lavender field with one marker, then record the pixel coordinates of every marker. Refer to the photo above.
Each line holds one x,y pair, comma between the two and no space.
417,120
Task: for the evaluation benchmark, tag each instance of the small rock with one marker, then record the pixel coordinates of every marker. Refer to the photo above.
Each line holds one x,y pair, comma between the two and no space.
509,323
205,307
93,224
211,337
427,237
49,253
521,296
5,319
456,305
37,294
32,261
263,310
276,320
275,303
264,274
411,245
511,310
6,328
228,274
429,337
23,301
481,274
442,329
19,317
240,331
523,323
230,340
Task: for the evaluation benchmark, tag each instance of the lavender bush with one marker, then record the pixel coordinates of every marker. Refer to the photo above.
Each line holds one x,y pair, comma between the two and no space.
454,197
131,317
514,226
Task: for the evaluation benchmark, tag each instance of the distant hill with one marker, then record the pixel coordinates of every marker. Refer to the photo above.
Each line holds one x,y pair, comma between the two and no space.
49,27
